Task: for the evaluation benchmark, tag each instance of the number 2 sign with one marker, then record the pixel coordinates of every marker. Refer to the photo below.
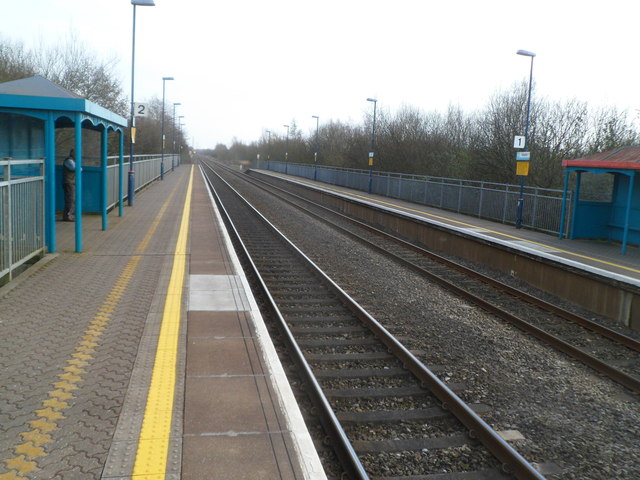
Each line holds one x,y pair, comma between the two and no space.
140,110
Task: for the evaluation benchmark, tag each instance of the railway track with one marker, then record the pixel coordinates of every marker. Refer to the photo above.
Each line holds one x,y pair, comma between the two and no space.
607,351
387,414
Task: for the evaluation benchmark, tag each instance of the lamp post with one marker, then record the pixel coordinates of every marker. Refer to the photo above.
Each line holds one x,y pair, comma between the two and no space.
315,154
268,148
180,125
164,79
373,141
526,139
132,178
286,152
173,141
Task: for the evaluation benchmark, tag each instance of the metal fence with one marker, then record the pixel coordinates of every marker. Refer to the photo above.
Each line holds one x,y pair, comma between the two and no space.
492,201
147,168
22,210
21,213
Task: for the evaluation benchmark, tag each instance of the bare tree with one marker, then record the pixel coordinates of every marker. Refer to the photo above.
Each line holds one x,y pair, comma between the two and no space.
15,61
68,64
610,129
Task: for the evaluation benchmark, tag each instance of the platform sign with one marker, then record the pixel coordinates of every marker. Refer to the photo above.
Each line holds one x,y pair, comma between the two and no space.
522,168
140,110
523,156
519,141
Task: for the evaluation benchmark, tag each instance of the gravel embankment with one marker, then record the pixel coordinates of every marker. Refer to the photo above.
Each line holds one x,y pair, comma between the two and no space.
588,426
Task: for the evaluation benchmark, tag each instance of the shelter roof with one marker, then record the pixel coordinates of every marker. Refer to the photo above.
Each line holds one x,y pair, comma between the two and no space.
39,94
37,86
625,158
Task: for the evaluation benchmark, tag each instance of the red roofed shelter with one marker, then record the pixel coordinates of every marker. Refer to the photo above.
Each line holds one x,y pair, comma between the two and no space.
617,219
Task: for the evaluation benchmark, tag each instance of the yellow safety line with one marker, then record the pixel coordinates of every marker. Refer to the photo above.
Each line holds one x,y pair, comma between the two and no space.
59,399
421,212
153,445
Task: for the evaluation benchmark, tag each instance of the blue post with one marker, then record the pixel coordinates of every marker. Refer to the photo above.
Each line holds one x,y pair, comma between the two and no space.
78,212
132,173
373,143
526,139
50,183
564,203
627,217
576,200
121,173
103,176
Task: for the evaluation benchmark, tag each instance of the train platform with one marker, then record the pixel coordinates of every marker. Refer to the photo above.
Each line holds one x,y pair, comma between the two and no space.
145,356
597,257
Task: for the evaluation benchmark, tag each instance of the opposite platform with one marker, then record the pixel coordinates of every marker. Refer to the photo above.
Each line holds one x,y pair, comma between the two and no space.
79,339
593,256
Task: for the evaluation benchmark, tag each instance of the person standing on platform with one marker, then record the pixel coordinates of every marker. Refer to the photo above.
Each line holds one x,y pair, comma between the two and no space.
69,187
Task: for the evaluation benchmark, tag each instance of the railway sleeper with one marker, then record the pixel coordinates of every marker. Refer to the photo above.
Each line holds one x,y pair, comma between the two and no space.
310,343
401,415
362,373
328,330
411,444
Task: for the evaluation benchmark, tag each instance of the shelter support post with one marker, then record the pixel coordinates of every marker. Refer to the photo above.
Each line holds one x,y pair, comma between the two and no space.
576,199
121,174
103,175
564,203
627,217
78,151
50,183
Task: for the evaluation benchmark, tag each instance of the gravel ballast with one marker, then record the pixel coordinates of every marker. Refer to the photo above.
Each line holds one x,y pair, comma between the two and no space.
589,427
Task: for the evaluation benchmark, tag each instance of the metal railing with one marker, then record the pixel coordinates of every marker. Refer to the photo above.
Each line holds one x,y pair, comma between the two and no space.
492,201
147,168
22,204
21,214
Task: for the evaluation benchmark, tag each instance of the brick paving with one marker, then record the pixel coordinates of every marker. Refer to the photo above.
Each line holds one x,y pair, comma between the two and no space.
69,338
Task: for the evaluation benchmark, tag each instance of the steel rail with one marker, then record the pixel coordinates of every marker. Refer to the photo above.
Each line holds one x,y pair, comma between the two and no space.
511,460
630,382
344,450
532,299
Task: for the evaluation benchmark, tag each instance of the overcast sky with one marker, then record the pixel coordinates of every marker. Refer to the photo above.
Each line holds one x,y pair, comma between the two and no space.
245,66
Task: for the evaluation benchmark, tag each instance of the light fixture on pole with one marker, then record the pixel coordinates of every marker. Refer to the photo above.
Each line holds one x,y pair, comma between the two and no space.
173,141
315,154
522,159
164,79
132,178
180,140
268,148
373,142
286,151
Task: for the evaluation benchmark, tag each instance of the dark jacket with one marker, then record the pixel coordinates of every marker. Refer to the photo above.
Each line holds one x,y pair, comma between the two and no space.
69,171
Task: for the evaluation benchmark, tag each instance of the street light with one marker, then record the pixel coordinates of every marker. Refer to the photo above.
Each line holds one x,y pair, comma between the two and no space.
373,141
164,79
286,152
268,148
526,140
132,178
180,125
315,154
173,144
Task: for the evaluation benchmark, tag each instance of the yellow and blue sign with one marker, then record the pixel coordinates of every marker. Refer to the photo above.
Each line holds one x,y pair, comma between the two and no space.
522,163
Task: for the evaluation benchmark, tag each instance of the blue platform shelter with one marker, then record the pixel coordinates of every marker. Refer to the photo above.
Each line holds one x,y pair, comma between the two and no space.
31,110
618,218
